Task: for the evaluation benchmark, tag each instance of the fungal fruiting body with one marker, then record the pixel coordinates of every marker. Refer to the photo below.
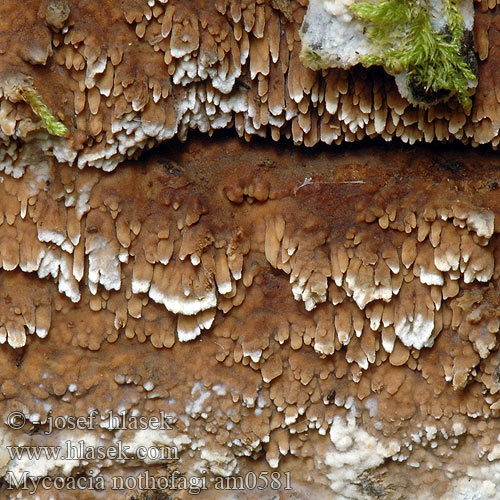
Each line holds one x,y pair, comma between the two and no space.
214,66
334,327
197,315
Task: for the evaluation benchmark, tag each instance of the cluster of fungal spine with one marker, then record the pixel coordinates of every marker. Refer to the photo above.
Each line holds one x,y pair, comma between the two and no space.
155,278
355,331
232,64
405,290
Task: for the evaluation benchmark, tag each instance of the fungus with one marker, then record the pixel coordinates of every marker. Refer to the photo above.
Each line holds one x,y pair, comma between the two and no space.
295,330
328,315
211,68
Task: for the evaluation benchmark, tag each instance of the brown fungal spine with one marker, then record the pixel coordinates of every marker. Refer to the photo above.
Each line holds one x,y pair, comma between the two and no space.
328,313
195,80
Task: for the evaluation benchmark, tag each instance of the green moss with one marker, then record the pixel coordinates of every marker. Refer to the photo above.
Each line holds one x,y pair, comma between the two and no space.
436,62
311,56
54,126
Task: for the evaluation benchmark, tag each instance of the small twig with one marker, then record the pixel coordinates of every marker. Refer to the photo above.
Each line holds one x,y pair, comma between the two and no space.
308,181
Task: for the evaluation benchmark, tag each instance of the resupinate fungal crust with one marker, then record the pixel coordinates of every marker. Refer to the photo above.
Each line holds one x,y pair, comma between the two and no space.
205,292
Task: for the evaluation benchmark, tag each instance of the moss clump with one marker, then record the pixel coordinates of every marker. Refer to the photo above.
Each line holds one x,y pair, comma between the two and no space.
54,126
310,56
435,62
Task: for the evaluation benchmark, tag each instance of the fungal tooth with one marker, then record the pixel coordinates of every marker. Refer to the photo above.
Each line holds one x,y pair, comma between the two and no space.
435,233
409,252
43,320
222,273
141,276
135,306
16,334
388,339
165,250
399,355
343,325
272,243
